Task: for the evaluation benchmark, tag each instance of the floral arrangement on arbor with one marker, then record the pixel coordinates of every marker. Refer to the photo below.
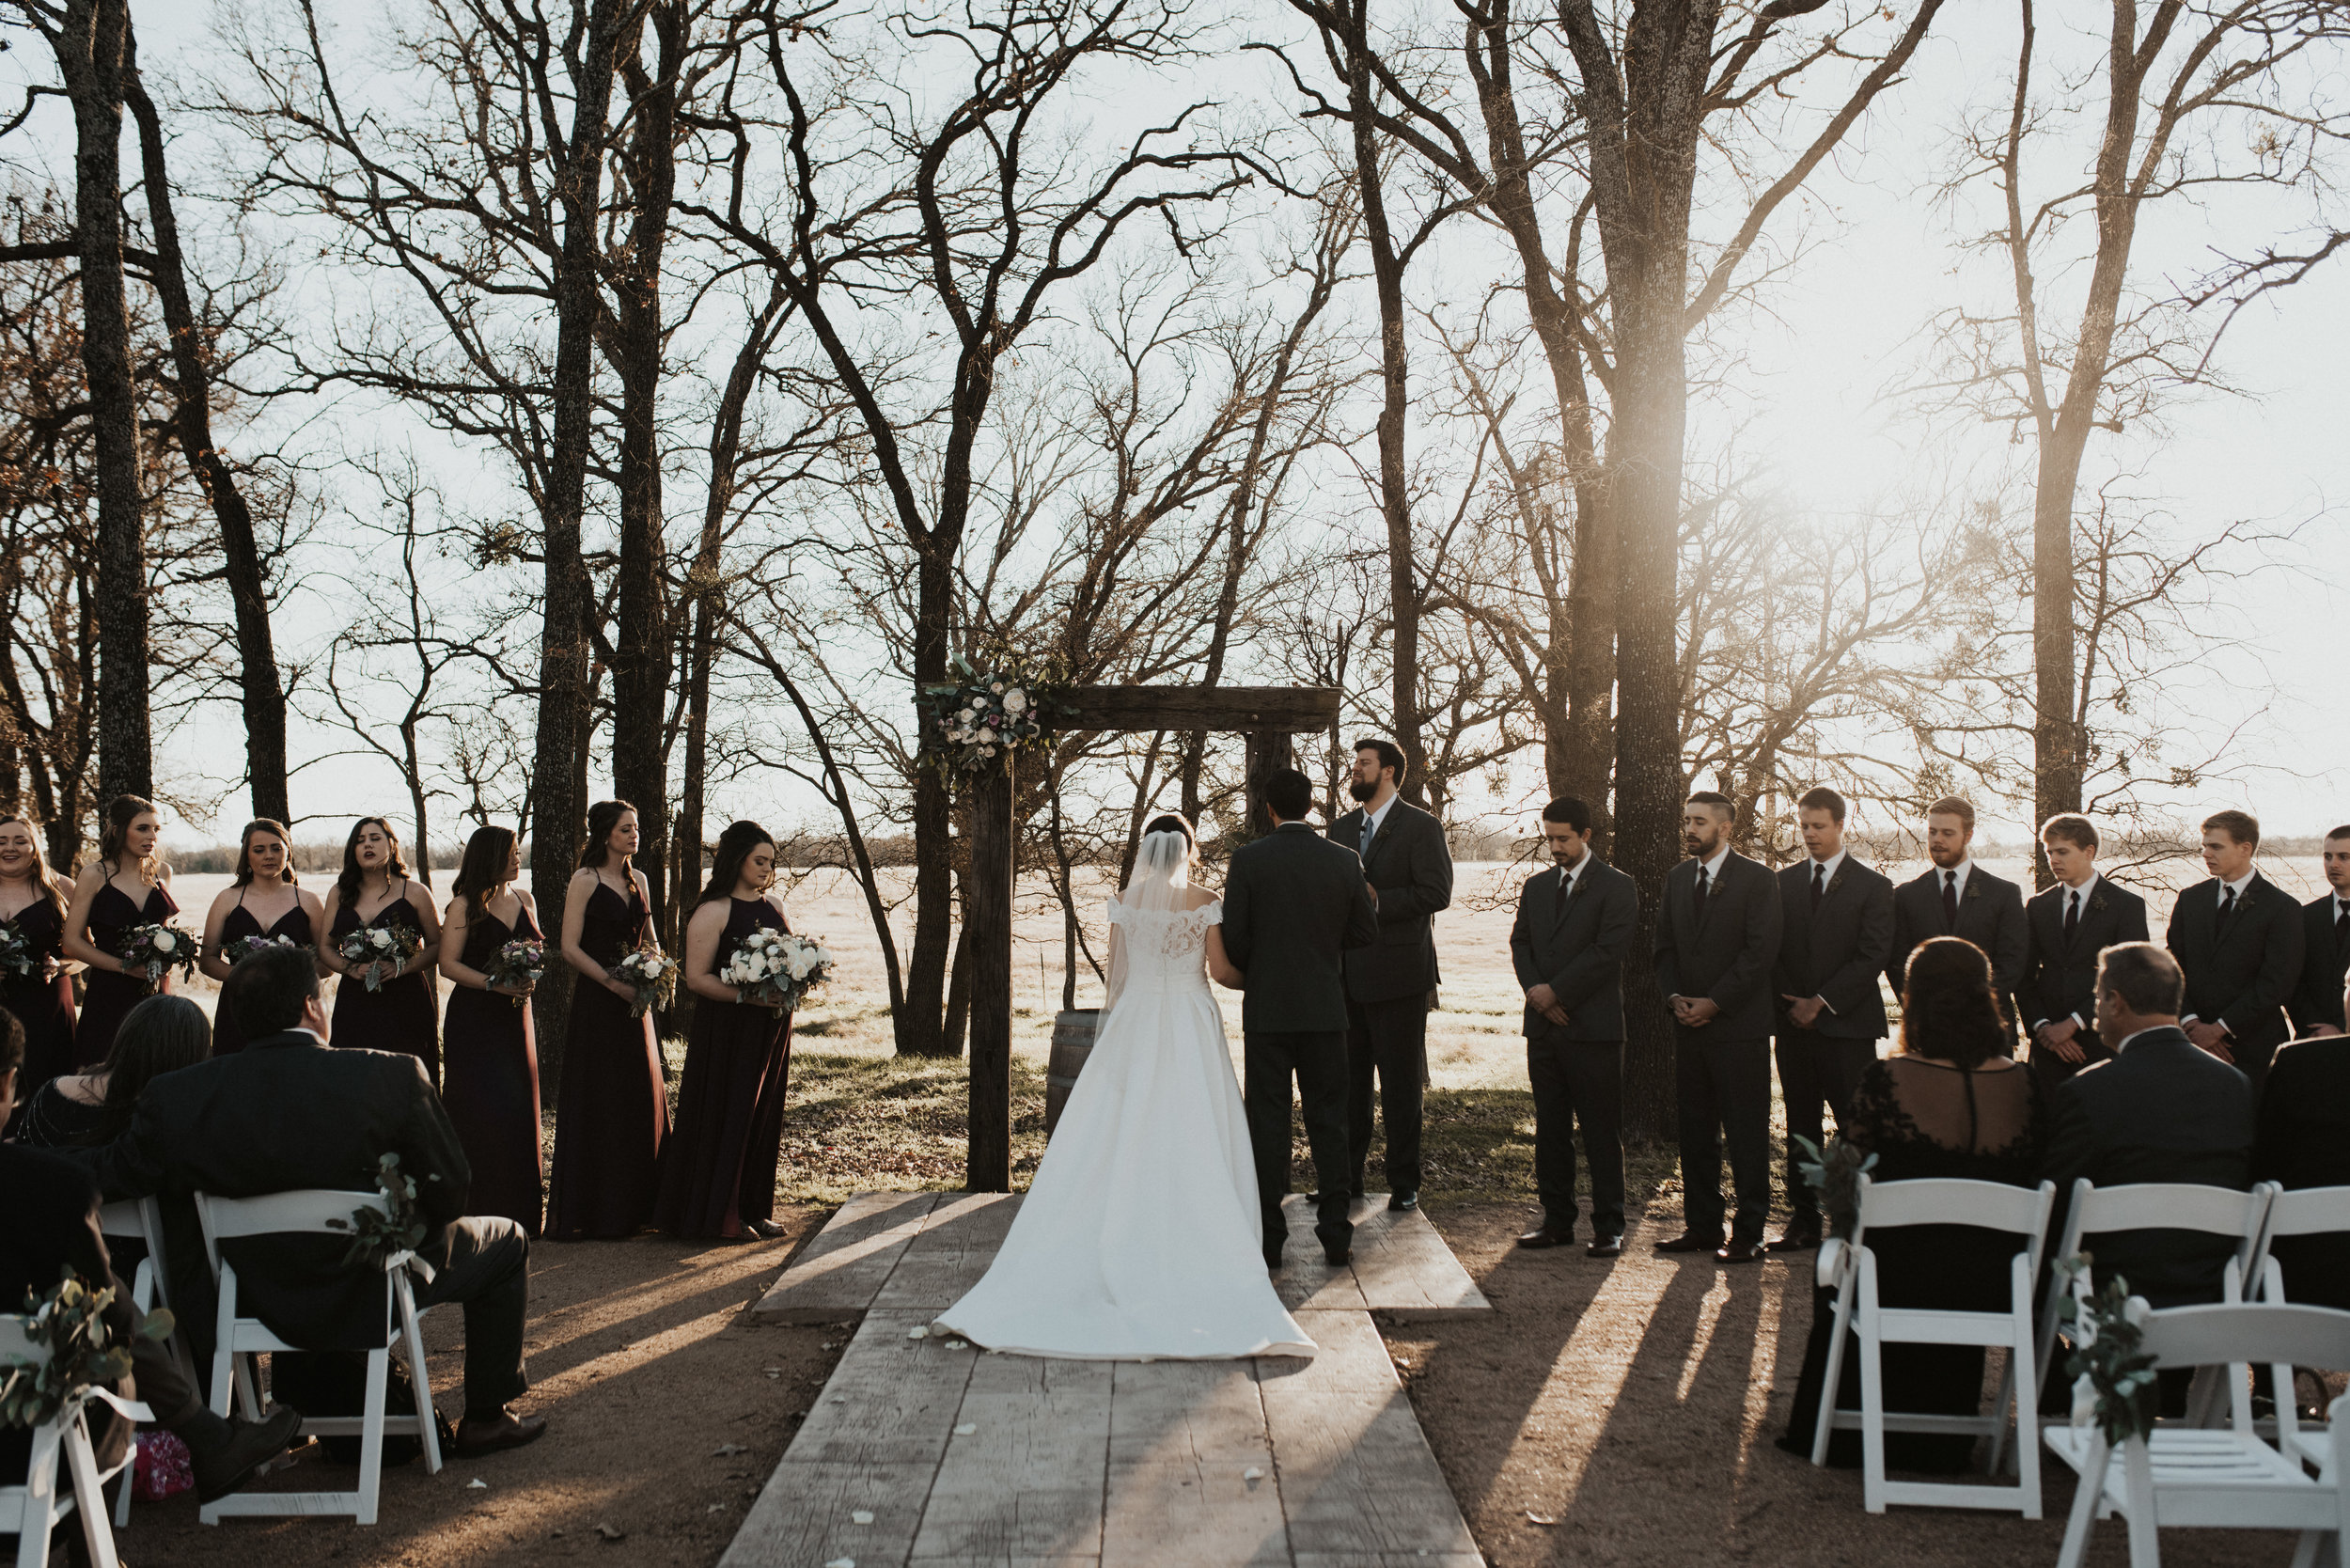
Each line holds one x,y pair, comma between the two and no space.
990,710
2113,1375
151,952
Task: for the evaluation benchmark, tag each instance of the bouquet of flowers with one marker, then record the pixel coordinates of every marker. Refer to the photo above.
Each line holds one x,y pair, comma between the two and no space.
18,956
519,964
776,968
236,952
383,950
654,974
151,952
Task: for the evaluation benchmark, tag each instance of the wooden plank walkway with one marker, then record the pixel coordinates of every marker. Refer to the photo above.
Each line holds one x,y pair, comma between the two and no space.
922,1451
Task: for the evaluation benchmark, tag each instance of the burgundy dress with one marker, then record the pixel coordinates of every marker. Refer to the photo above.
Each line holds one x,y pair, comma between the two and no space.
719,1171
492,1090
399,1014
612,1111
105,994
44,1007
294,925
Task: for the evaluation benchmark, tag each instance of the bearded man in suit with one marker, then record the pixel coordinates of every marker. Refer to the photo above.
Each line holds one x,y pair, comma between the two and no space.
2071,923
2237,937
1954,897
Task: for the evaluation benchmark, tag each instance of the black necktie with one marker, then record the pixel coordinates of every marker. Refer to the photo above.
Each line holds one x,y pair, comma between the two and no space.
2342,922
1818,885
1566,886
1697,898
2072,915
2226,907
1950,900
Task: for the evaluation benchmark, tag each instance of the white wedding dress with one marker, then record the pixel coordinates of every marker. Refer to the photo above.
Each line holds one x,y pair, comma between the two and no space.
1140,1236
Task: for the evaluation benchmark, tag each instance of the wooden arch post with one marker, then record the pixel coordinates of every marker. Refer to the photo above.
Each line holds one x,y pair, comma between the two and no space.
1269,716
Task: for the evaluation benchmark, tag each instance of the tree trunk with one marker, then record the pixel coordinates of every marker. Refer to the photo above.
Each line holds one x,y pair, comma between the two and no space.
987,927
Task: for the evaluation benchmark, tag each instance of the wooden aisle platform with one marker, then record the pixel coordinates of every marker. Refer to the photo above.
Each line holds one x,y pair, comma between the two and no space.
952,1456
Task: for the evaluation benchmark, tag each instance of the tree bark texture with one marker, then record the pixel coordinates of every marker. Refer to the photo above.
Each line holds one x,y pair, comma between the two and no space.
987,931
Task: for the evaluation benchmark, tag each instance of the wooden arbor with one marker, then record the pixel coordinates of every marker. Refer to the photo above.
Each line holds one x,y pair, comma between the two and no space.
1268,716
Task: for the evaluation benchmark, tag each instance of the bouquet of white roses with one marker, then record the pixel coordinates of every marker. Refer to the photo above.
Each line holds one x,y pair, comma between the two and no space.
653,973
518,965
383,950
151,952
18,956
236,952
775,968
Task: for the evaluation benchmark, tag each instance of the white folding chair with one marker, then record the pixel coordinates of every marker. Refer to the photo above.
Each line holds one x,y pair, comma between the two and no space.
307,1212
2097,1211
1852,1270
141,1219
33,1511
2216,1479
2300,1212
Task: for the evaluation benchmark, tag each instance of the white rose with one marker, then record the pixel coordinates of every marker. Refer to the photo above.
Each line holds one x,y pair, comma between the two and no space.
166,942
997,688
381,938
1015,701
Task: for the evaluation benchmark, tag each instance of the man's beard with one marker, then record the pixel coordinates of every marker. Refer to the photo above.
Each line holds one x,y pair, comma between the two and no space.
1362,792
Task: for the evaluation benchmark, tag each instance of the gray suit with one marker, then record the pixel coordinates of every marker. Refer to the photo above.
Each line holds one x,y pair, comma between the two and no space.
1576,945
1388,983
1293,903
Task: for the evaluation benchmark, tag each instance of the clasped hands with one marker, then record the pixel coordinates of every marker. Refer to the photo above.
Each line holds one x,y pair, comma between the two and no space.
1695,1012
2210,1037
2058,1036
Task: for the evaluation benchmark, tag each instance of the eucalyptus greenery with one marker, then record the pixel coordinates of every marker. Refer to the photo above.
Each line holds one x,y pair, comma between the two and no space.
377,1235
1836,1177
69,1324
2113,1375
998,705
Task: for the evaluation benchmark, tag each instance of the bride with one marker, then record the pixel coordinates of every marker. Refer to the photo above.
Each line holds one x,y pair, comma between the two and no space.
1140,1236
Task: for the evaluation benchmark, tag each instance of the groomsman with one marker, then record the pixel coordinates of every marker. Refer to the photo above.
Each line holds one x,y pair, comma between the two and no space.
2237,937
1957,897
2071,923
1717,940
2325,945
1837,920
1409,868
1573,932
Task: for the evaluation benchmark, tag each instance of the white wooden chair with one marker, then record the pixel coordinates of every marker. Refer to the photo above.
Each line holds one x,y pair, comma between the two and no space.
2217,1478
313,1212
141,1219
31,1511
1850,1270
2301,1212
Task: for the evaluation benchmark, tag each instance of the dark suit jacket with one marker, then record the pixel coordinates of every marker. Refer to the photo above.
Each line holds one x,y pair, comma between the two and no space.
48,1224
1836,952
2324,959
283,1114
2060,977
2161,1111
1294,902
2301,1138
1578,954
1411,866
1990,915
2242,977
1728,958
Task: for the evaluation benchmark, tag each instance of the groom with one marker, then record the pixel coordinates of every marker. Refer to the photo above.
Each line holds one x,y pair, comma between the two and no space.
1292,902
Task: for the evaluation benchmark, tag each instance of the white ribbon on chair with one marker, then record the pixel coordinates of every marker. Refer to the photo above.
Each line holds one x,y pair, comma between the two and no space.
412,1263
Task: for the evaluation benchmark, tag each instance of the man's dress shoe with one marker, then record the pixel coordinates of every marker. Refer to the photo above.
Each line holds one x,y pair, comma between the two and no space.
1606,1246
1689,1240
1542,1236
1338,1257
1796,1240
507,1432
1273,1258
1403,1203
1740,1253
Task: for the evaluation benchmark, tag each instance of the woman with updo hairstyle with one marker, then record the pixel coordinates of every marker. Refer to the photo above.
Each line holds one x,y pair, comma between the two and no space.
374,892
33,900
126,887
489,1039
262,900
1949,1104
718,1173
612,1111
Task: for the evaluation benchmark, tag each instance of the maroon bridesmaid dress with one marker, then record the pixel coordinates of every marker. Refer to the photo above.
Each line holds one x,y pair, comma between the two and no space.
44,1007
489,1051
612,1112
399,1014
294,926
718,1173
107,995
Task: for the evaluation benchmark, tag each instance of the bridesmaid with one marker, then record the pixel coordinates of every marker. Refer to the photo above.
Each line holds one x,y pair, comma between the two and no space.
613,1109
125,887
263,901
718,1174
488,1039
33,900
401,1013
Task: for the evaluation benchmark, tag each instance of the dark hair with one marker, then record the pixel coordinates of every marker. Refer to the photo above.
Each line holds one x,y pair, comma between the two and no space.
726,866
2331,833
268,987
1172,822
1568,812
2241,826
11,1043
1290,793
161,1035
1950,806
121,812
2073,829
244,850
1949,1010
483,867
1714,797
602,818
1822,799
347,881
1390,756
2145,978
45,883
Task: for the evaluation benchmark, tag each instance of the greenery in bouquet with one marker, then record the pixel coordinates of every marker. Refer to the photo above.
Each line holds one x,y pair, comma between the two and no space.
995,706
17,955
378,953
151,952
652,974
1836,1177
69,1324
2113,1374
775,968
237,951
517,967
399,1226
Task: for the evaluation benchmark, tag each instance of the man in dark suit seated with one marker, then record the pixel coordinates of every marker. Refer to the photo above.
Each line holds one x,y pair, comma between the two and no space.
287,1113
2301,1138
1954,897
2325,945
2071,923
1568,945
1836,917
48,1224
2160,1110
2237,938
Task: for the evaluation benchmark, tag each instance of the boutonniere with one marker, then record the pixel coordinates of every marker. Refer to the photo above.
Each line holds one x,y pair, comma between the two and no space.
1974,887
2097,902
1837,880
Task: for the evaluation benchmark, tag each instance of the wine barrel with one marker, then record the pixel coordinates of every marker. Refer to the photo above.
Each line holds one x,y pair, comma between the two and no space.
1072,1041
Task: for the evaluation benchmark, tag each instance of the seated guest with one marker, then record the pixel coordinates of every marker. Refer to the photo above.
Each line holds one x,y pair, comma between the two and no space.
49,1224
2080,916
2161,1111
2237,937
160,1035
1949,1104
2301,1138
2326,944
287,1114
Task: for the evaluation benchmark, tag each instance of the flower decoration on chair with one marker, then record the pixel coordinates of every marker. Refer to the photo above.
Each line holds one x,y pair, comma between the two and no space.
70,1322
389,1234
1836,1177
2113,1376
993,708
151,952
